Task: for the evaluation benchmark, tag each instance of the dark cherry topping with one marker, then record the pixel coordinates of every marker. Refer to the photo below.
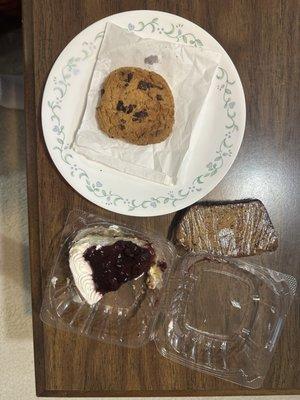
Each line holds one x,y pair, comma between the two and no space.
162,265
118,263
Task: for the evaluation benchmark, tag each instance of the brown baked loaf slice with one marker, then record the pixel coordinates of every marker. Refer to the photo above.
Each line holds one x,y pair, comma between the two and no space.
234,229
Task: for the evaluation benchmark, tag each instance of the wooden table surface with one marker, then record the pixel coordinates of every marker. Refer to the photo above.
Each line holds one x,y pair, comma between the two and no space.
262,38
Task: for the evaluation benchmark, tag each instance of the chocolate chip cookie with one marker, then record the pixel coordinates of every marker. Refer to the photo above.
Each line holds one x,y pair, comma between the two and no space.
136,105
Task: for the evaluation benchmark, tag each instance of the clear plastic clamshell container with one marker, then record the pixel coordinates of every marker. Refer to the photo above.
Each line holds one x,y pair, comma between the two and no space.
125,317
224,317
215,315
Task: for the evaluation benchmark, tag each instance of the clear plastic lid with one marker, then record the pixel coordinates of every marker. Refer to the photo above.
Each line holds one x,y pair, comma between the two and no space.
224,317
126,316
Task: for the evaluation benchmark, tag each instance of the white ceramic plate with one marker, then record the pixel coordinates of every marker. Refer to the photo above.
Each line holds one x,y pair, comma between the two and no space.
222,129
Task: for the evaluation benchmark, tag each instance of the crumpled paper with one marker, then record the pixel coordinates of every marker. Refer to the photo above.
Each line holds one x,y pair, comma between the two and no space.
188,71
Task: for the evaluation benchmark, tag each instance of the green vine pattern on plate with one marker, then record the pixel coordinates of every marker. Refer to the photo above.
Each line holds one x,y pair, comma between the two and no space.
173,31
61,85
224,149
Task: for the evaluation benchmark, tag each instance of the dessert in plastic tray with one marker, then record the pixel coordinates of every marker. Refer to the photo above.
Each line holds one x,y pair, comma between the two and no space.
216,315
125,316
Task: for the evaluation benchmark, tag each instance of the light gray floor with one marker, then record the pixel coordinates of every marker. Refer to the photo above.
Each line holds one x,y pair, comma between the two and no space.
16,353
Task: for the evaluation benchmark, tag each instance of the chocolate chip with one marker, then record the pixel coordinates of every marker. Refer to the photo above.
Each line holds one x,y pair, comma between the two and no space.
126,109
120,106
129,77
159,97
143,85
122,127
122,120
139,115
102,92
130,108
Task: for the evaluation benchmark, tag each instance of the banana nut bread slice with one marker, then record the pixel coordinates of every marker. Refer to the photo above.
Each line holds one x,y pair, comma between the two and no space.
233,229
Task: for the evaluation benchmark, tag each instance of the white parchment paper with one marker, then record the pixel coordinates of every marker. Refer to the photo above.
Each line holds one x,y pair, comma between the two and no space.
189,72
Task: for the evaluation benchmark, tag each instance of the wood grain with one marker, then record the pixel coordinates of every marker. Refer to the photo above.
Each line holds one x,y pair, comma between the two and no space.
262,37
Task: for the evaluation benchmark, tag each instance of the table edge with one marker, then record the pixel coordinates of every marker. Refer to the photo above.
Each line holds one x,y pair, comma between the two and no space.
167,393
32,193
